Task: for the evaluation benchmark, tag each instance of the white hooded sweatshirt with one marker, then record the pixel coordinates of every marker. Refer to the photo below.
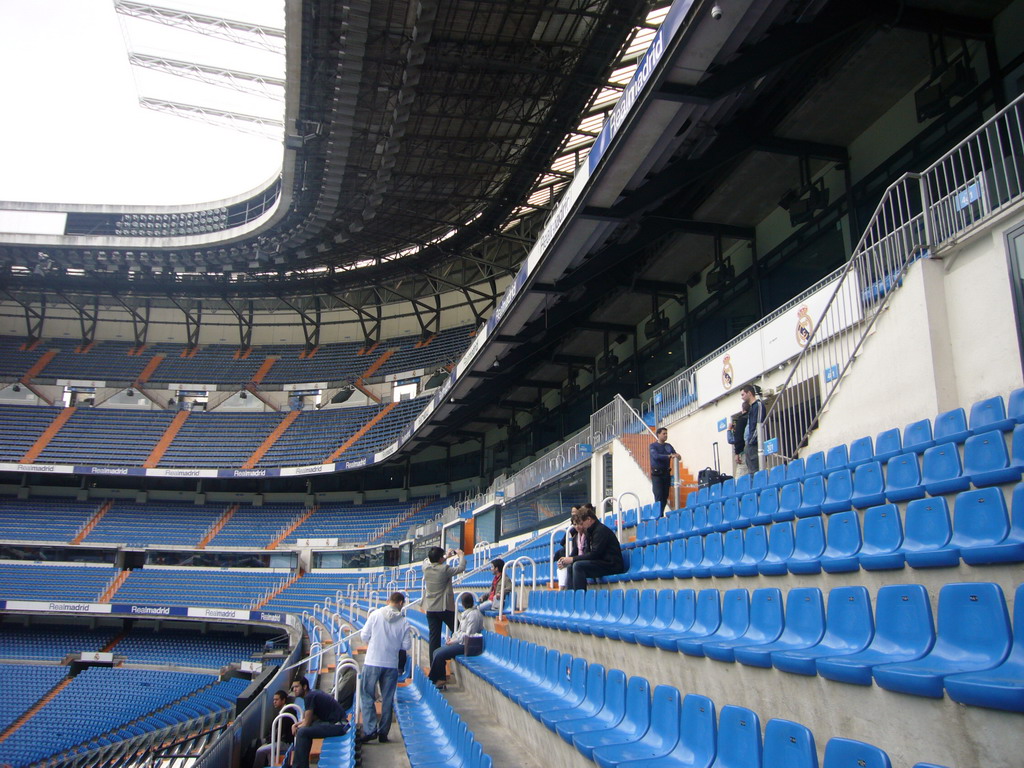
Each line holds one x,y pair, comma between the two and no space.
385,633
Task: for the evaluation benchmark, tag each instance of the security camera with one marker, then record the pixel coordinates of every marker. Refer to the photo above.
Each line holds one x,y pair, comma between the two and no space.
716,12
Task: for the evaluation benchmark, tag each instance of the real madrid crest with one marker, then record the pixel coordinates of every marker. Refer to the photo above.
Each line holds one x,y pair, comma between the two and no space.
727,376
804,326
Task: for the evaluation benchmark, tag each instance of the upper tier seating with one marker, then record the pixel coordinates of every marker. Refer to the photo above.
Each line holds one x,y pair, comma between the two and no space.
31,581
221,364
21,426
197,587
142,525
57,520
107,437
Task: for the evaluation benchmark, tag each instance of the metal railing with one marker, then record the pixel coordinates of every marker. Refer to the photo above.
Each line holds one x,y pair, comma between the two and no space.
917,216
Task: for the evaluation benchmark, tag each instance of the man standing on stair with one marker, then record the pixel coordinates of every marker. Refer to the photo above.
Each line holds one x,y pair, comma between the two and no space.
662,454
750,395
386,634
438,596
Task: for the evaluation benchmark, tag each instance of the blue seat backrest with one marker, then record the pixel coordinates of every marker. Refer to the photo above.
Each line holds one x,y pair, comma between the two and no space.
973,621
795,470
810,537
1015,405
788,745
847,753
739,738
843,535
805,613
815,464
861,450
780,540
951,426
777,475
989,414
917,436
980,518
742,484
888,444
838,457
698,731
927,524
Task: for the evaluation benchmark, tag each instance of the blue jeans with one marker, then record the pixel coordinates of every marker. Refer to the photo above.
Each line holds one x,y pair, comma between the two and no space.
304,739
581,570
387,678
442,655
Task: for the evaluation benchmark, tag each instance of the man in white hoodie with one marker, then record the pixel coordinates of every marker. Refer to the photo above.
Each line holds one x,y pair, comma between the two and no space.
385,633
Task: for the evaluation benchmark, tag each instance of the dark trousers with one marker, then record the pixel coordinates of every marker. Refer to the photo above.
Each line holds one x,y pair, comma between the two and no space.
434,621
304,740
660,484
441,657
581,570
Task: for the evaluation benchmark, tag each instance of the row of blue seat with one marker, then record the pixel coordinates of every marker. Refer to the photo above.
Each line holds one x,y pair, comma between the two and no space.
434,734
981,531
974,651
619,722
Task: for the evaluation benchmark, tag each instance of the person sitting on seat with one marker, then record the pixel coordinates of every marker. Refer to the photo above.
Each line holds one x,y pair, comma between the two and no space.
499,585
600,554
472,623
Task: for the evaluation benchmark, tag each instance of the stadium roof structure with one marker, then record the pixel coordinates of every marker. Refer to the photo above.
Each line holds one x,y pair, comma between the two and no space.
420,142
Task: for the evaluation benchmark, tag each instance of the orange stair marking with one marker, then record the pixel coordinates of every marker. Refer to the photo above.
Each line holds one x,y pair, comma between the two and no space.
360,432
264,369
217,526
281,588
48,434
35,708
114,586
272,438
39,364
166,439
295,524
87,528
151,366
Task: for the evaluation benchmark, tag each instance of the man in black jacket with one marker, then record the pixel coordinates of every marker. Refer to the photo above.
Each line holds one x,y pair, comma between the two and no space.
601,555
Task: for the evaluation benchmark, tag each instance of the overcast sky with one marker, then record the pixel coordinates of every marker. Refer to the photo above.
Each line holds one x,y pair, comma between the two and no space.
73,131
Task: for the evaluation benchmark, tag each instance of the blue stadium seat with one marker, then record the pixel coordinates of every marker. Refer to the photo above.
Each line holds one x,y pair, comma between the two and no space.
685,522
882,549
790,499
1001,687
694,553
613,709
755,548
795,469
714,517
743,484
861,451
1017,446
839,485
654,741
700,520
735,619
696,745
917,436
767,506
642,618
664,612
759,480
903,478
591,704
633,560
1010,549
973,634
633,725
611,615
804,627
979,520
628,614
837,457
765,626
847,753
706,617
780,549
1015,405
815,464
776,475
788,745
989,414
926,533
812,497
680,619
868,485
842,543
739,738
941,470
951,427
732,553
713,551
888,444
848,630
728,488
748,508
731,514
663,567
808,546
986,461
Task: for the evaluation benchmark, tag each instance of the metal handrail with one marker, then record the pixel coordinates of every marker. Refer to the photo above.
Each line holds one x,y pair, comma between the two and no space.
513,566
